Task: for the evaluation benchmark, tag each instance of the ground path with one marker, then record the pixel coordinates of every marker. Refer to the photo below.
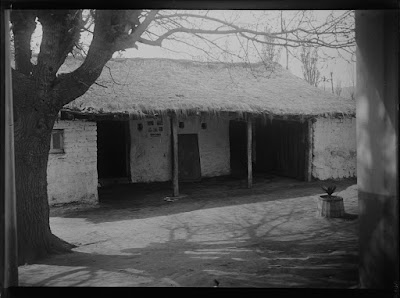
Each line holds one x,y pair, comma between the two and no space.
265,237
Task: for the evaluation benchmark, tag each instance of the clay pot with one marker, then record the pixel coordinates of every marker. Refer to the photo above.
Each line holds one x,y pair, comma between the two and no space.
330,206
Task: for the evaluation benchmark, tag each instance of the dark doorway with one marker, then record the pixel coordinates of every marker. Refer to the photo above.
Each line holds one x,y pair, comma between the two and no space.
188,158
281,148
238,148
113,149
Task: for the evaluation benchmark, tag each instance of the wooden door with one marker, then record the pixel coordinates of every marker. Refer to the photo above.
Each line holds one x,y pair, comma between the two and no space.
290,142
188,157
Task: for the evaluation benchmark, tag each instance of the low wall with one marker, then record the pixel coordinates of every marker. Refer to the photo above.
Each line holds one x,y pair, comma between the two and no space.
72,175
334,148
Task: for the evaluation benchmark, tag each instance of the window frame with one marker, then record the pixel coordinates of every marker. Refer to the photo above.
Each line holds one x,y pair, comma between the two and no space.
61,134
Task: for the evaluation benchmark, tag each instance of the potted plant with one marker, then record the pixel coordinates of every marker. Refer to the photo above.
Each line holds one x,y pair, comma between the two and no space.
329,205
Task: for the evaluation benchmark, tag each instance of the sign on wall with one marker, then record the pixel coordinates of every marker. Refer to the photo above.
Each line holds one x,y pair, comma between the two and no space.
154,127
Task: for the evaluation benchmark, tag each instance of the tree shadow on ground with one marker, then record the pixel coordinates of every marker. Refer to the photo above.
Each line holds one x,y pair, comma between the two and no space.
198,267
260,250
144,201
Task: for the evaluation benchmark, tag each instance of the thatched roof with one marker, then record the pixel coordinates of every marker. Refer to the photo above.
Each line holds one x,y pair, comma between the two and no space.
157,86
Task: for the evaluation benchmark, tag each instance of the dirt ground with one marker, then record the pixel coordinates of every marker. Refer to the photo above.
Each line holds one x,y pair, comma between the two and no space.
218,232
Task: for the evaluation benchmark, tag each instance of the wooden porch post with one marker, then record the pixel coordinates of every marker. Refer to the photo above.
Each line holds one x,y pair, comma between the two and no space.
249,152
174,142
308,149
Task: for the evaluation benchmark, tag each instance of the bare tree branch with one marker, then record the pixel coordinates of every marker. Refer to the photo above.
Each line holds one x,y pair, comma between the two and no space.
60,34
129,41
316,30
310,39
23,26
114,30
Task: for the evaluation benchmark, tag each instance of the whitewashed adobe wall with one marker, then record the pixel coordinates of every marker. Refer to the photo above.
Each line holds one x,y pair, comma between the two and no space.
334,148
72,175
151,155
214,146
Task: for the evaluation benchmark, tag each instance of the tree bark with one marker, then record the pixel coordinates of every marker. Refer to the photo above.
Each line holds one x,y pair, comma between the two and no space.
23,26
35,239
33,123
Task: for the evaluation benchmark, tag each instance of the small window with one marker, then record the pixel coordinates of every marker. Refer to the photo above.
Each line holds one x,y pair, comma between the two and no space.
204,125
181,125
57,141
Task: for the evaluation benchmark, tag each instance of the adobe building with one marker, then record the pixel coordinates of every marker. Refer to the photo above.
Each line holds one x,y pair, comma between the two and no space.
223,119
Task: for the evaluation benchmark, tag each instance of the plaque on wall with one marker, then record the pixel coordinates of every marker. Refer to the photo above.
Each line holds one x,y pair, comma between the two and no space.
155,128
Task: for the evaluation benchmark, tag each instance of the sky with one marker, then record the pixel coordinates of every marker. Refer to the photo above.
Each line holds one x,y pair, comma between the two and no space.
342,68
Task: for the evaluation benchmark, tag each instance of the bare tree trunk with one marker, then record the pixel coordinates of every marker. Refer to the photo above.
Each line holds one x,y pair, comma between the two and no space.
32,132
35,239
38,95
